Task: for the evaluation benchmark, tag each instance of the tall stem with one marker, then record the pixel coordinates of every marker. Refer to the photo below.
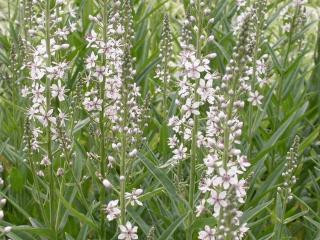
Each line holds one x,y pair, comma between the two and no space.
193,155
48,97
123,167
102,124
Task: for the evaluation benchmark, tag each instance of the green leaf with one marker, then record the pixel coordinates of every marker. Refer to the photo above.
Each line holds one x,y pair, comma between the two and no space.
279,218
294,217
251,213
161,176
17,179
80,216
172,228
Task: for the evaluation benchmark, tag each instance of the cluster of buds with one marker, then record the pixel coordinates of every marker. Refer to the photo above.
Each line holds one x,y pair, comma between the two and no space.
293,15
163,68
291,165
3,202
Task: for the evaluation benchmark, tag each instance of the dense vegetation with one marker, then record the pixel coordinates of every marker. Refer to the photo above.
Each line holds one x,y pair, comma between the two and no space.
159,120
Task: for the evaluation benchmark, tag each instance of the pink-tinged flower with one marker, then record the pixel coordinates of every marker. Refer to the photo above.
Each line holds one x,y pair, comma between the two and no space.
190,107
207,234
173,141
210,162
91,61
241,190
46,116
45,161
243,163
194,68
25,91
58,91
112,210
62,117
100,73
128,232
205,185
228,177
255,98
205,90
32,111
92,37
218,200
243,229
200,208
180,153
37,93
133,197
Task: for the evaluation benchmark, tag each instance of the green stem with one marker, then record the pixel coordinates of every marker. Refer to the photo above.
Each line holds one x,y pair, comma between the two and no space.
282,74
48,97
36,183
193,155
123,155
102,126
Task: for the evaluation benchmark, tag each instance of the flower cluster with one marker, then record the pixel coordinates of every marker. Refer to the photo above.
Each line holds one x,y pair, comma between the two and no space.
294,16
194,91
222,185
112,94
291,165
48,69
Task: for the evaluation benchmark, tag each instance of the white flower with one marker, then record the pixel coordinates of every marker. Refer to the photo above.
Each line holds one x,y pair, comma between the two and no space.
32,112
207,233
175,123
58,91
100,73
243,229
112,210
92,37
62,117
24,91
133,197
241,190
217,199
243,163
91,61
45,161
128,232
205,90
194,68
255,98
205,185
173,141
7,229
210,161
200,208
180,153
228,177
37,92
190,107
46,117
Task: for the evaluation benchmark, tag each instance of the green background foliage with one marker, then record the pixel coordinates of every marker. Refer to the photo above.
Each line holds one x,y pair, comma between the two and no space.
291,106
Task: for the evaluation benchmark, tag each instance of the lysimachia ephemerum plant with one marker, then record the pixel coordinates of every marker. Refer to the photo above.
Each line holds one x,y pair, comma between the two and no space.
112,100
217,133
47,137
